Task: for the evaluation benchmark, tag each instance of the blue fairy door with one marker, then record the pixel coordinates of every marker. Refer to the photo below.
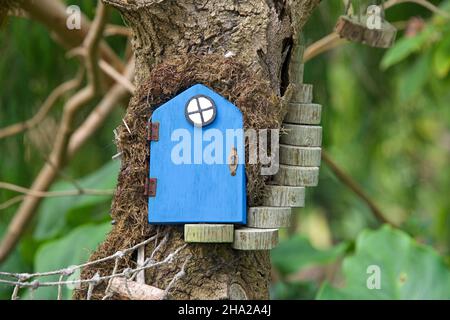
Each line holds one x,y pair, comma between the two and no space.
197,160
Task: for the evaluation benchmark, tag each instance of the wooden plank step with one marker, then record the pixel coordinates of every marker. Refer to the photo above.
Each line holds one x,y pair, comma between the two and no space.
269,217
302,93
303,113
255,239
284,196
209,233
297,176
300,156
296,72
302,135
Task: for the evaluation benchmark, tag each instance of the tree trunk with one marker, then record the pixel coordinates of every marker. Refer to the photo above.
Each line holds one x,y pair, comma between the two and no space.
260,34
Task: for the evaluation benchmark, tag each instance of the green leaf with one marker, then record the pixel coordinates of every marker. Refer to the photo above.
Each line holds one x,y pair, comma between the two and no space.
55,214
293,290
408,270
413,80
296,253
441,58
405,47
73,249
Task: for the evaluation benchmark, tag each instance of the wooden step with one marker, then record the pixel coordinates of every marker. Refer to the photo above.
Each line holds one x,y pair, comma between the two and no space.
297,176
302,135
209,233
284,196
255,239
296,72
302,93
303,113
269,217
300,156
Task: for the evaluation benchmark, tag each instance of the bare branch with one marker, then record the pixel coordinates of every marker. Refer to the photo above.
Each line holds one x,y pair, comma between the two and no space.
115,30
119,78
52,14
48,104
91,44
100,113
66,146
423,3
11,202
48,194
135,291
356,188
328,42
47,174
58,156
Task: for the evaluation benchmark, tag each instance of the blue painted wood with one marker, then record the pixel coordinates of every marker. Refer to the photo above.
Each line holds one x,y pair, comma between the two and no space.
195,191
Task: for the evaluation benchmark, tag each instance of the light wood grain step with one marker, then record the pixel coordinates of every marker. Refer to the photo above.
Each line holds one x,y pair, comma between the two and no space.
209,233
300,156
284,196
303,113
297,176
302,135
302,93
269,217
255,239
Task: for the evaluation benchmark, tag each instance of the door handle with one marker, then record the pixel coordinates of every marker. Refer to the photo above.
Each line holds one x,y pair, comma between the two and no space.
233,160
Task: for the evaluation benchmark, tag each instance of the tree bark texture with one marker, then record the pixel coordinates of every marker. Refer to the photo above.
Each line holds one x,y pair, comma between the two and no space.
260,34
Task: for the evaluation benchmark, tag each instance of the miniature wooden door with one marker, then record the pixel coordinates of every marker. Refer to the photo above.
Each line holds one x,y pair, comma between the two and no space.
197,160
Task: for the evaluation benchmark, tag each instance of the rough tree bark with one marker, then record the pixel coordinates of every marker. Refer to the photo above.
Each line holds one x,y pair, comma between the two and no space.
259,33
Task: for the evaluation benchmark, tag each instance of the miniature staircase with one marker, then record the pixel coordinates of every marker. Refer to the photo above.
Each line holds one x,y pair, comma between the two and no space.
300,156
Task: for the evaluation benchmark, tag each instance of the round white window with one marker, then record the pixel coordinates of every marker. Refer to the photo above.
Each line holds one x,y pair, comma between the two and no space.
200,111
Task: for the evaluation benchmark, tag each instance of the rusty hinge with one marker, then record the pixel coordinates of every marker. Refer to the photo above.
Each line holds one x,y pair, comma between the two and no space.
150,187
153,131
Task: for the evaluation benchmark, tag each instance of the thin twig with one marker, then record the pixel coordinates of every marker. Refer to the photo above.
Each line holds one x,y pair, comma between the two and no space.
91,44
49,194
48,104
328,42
99,114
423,3
177,277
52,14
355,187
11,202
118,77
116,30
126,126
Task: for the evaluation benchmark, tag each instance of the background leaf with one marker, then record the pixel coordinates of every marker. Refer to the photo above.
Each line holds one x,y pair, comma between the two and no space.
408,270
404,47
441,59
55,214
73,249
296,253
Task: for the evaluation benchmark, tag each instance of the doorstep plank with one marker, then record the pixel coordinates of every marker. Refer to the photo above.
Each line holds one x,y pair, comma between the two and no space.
303,113
300,156
301,135
297,176
284,196
208,233
269,217
255,239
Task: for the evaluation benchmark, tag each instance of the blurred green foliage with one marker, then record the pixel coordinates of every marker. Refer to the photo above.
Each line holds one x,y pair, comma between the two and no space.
386,122
407,270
